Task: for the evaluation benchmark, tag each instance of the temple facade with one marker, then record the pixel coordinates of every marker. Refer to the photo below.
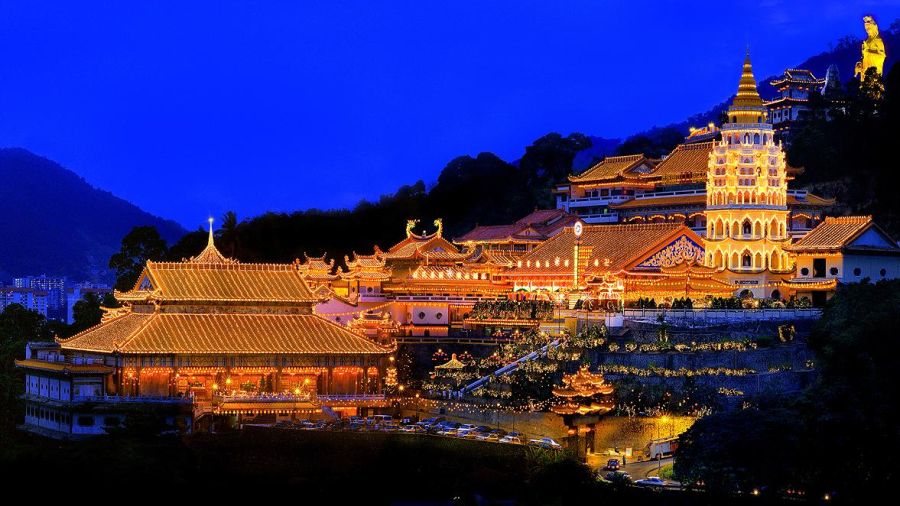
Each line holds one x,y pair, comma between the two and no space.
205,338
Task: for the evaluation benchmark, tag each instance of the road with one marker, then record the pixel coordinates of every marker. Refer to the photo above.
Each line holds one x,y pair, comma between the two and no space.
637,470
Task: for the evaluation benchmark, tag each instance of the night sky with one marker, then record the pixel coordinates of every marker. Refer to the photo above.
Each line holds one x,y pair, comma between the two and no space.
190,110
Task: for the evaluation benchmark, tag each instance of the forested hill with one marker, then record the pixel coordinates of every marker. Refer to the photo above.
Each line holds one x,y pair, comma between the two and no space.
56,223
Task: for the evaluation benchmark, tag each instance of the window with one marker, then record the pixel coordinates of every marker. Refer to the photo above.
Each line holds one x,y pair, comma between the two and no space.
111,421
857,271
883,272
747,260
421,315
439,316
85,421
804,271
833,271
818,267
369,289
776,295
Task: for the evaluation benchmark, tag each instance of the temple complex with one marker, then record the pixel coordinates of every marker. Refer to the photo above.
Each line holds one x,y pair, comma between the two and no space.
637,189
205,337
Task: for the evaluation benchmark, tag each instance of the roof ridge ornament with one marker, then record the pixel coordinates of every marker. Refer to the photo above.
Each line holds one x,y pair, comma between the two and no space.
211,254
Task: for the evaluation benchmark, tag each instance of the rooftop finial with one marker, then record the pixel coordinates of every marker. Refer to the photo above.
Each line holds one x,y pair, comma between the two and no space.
209,242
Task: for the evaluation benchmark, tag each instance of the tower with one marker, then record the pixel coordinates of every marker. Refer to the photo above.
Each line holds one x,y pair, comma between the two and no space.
746,195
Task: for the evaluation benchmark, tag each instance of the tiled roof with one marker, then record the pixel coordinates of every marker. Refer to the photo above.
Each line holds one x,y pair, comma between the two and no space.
611,167
221,333
686,161
542,216
490,233
225,282
810,200
833,234
433,247
535,227
603,248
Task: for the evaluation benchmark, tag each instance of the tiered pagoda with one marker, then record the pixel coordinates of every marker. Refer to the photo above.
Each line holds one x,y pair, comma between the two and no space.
746,196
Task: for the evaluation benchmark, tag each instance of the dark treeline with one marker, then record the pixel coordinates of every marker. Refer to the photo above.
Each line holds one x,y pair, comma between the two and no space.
852,156
470,190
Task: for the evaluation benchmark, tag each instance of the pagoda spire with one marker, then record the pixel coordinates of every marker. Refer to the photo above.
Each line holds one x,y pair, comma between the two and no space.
211,254
747,106
209,241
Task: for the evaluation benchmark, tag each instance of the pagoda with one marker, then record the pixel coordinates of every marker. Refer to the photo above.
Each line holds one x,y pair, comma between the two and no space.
583,393
746,195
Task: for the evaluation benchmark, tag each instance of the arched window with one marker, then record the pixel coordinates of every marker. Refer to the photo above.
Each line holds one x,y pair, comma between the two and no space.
755,138
747,228
747,260
776,294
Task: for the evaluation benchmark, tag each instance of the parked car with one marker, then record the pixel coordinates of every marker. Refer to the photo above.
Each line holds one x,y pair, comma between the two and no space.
511,440
412,429
445,426
613,465
546,442
491,437
618,477
383,418
653,481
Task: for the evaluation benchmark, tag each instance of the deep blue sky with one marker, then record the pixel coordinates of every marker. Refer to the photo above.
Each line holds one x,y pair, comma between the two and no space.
189,109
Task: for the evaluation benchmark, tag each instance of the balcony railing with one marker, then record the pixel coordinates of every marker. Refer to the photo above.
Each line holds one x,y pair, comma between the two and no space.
351,397
303,397
120,399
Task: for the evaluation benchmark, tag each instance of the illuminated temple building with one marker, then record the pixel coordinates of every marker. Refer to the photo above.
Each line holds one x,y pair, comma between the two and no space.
638,189
205,336
425,282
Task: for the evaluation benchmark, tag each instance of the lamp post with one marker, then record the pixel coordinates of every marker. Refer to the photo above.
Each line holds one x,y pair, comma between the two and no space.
417,406
663,419
212,409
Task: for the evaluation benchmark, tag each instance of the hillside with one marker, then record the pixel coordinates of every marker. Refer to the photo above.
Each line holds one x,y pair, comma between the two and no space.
56,223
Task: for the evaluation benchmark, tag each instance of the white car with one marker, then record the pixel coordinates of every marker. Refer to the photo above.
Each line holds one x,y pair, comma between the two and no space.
492,437
511,440
546,442
653,481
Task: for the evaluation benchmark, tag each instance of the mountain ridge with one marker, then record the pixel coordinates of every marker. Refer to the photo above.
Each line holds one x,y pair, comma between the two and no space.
59,224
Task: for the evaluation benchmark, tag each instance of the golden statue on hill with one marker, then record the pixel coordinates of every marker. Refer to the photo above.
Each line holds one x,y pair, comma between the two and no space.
873,53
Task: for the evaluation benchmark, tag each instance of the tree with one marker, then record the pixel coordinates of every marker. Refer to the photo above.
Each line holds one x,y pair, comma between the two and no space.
229,234
88,311
654,144
17,327
141,244
548,161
